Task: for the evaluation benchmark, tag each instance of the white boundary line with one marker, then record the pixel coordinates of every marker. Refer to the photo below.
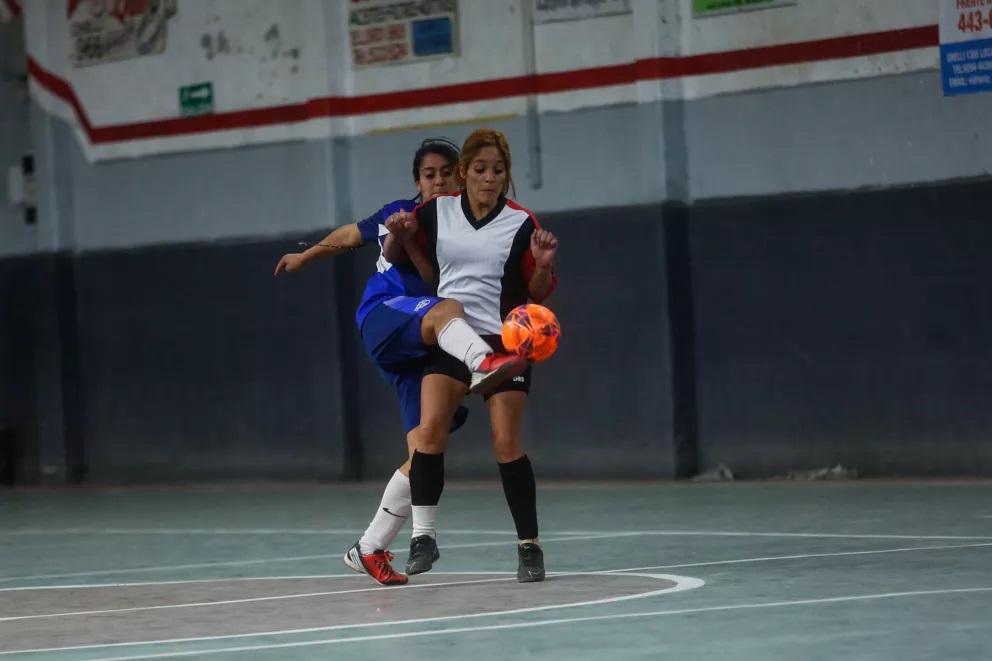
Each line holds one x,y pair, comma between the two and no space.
544,623
575,535
298,558
801,535
232,579
508,534
219,531
801,557
709,563
466,629
682,583
246,600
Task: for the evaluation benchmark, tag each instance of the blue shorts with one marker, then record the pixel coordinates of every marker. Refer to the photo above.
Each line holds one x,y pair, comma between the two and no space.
391,334
391,331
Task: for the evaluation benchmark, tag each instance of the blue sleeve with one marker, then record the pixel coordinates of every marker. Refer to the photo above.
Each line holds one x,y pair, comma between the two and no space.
369,227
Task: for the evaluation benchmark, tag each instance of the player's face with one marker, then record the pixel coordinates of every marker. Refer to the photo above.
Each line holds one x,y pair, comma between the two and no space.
437,176
485,177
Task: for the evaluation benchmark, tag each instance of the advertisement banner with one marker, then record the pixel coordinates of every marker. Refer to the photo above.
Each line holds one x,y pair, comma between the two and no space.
966,46
549,11
110,30
399,31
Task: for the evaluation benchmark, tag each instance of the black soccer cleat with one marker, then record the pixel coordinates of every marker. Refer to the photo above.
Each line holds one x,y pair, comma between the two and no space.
423,555
530,568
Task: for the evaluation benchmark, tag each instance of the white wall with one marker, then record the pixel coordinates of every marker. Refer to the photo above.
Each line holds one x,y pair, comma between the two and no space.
808,20
310,61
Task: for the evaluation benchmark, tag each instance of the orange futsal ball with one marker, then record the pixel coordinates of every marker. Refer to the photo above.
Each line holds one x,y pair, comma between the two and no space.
531,331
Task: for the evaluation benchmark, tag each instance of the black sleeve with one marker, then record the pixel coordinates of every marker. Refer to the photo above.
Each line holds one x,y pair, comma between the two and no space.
513,284
427,235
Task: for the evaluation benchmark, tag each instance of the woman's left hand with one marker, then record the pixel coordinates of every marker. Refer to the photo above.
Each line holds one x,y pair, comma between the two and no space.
403,224
544,247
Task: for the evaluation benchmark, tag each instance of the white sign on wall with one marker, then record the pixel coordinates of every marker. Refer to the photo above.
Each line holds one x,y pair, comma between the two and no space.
548,11
396,31
966,46
109,30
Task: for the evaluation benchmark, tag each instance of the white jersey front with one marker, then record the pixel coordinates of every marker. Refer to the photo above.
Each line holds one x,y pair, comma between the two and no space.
483,264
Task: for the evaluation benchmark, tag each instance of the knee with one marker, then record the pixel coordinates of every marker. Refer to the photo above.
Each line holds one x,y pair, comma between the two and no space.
432,435
507,447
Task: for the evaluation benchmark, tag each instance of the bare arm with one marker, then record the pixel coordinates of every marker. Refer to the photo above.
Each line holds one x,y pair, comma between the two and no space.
394,250
540,284
402,226
420,261
401,246
544,248
346,237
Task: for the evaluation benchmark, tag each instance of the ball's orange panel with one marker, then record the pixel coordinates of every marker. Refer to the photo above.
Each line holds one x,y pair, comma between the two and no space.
531,331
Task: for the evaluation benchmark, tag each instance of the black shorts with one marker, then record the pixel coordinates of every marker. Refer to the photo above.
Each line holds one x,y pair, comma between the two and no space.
440,362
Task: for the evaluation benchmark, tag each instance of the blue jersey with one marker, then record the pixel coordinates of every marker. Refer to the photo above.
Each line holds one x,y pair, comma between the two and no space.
390,280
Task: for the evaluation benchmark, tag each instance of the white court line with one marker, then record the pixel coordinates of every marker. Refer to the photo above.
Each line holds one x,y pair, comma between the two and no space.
801,535
278,597
544,623
682,583
232,579
711,563
609,533
218,531
800,557
202,565
237,563
572,536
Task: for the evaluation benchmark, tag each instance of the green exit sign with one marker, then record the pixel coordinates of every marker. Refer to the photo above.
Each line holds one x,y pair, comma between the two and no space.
196,99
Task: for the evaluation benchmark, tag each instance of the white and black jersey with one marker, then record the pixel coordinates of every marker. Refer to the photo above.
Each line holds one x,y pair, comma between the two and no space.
483,264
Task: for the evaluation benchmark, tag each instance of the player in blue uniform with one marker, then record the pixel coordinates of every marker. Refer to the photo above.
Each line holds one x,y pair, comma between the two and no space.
400,318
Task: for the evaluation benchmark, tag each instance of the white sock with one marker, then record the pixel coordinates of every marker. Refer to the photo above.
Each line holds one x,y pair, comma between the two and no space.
458,339
424,520
390,517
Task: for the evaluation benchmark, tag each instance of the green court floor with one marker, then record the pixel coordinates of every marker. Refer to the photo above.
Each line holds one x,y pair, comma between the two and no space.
859,570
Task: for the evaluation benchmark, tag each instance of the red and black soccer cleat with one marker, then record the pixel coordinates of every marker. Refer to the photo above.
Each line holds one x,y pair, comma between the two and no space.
375,565
494,370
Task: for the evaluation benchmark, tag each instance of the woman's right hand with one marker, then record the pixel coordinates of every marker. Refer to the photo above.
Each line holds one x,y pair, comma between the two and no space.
290,262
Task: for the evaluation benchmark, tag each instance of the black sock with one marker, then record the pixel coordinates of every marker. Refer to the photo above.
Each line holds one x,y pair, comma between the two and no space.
426,478
521,495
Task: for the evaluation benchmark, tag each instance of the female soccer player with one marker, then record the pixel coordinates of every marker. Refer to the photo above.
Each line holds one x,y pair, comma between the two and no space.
400,317
489,253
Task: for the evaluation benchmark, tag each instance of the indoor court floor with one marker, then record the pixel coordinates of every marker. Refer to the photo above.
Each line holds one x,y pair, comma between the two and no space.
738,571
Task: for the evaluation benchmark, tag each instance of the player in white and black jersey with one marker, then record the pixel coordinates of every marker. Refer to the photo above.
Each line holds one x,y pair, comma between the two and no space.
490,254
400,317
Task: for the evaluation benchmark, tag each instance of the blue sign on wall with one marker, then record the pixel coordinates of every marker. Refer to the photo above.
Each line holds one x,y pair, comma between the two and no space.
966,46
966,67
432,36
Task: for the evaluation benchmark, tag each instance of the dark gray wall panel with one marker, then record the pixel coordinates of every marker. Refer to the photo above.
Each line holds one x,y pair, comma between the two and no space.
196,362
851,328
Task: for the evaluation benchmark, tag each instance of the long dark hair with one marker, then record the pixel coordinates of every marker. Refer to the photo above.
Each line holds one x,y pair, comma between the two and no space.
443,147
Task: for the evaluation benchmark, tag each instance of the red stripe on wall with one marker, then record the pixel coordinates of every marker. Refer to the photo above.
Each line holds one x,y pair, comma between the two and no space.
624,74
